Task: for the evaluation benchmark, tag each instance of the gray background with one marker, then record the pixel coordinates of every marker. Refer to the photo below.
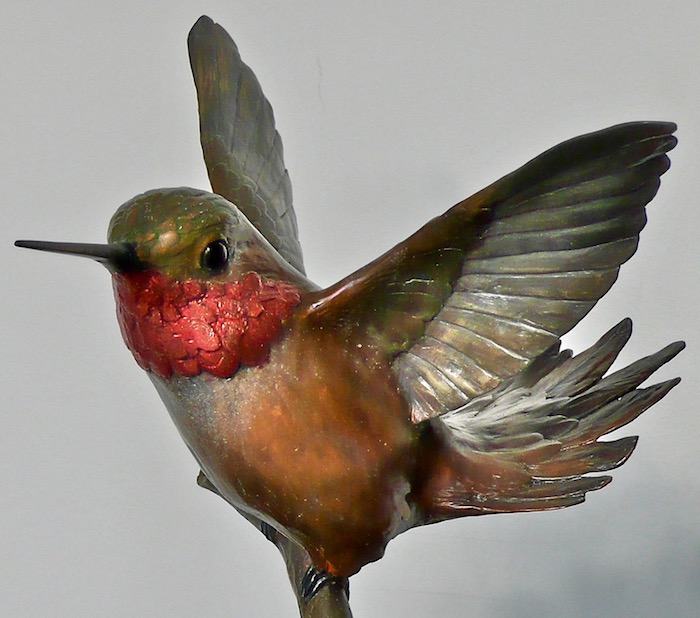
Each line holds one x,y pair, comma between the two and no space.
390,113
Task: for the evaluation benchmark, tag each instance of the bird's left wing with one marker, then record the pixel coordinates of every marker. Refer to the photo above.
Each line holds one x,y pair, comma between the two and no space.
242,148
477,293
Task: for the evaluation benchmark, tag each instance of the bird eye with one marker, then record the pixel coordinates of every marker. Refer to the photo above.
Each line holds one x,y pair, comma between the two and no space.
215,257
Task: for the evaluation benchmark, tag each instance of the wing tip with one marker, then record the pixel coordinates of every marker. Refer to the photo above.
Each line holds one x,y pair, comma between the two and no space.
204,33
646,129
202,27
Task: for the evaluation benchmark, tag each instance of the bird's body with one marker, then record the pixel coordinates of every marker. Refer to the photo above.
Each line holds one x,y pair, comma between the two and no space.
425,386
324,452
302,425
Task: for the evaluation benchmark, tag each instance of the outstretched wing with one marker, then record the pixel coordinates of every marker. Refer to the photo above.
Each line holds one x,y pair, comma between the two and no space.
471,298
242,149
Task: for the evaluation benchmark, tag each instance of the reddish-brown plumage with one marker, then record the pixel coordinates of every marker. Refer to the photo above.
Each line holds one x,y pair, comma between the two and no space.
425,386
188,327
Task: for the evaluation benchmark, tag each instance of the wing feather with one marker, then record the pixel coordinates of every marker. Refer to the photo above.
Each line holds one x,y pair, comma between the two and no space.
476,294
242,149
551,310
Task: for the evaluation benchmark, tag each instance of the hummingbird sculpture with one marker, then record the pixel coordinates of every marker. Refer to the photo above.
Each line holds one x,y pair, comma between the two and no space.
427,385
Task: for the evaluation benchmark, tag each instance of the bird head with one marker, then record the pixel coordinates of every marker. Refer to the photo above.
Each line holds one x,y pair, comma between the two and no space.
198,288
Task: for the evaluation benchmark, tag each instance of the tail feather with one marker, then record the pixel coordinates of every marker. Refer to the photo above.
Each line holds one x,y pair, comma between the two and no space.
623,381
528,444
537,495
586,369
619,412
593,457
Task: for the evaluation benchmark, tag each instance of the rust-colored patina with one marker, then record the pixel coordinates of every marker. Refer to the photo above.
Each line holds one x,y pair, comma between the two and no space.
427,385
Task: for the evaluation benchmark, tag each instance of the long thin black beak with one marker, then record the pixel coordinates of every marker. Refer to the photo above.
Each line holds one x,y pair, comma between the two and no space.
117,257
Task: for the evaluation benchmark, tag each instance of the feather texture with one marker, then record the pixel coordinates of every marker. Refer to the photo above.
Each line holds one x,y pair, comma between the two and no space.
559,229
242,149
527,444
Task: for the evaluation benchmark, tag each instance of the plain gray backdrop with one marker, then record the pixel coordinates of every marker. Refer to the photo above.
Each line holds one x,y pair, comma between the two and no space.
390,113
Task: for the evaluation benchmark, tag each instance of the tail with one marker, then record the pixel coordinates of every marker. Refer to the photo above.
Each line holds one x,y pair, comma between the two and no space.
529,444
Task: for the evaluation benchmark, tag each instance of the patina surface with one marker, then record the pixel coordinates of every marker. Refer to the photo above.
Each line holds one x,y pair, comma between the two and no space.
427,385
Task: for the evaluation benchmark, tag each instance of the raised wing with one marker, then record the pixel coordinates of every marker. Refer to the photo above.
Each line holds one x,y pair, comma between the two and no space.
242,149
471,298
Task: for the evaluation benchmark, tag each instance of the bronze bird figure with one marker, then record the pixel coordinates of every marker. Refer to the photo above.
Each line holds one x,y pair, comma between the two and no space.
427,385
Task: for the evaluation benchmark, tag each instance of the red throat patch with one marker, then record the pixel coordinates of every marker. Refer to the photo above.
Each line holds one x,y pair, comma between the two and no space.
187,327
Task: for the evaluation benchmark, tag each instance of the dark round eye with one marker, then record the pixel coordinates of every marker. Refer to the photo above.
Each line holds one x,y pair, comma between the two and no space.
215,257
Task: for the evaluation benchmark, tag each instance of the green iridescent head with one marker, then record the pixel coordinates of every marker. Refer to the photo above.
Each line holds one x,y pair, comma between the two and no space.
184,232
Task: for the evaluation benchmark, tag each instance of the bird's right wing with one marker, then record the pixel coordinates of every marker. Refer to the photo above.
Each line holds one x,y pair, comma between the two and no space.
476,294
242,148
